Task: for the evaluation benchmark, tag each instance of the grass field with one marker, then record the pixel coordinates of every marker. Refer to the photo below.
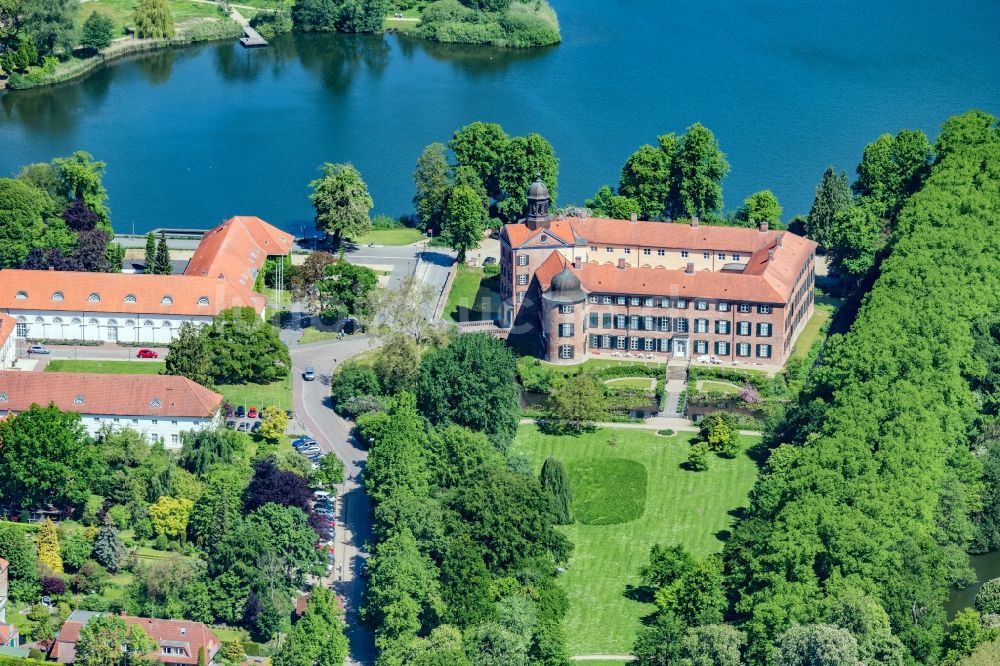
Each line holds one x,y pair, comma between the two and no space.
642,383
813,329
593,364
136,367
401,236
312,334
258,395
120,11
470,292
710,386
690,508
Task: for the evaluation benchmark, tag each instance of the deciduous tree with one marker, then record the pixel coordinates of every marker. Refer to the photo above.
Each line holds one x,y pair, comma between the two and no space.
647,179
554,482
342,202
170,516
762,207
464,221
615,206
700,166
523,159
433,184
153,20
576,404
107,640
817,645
481,146
98,32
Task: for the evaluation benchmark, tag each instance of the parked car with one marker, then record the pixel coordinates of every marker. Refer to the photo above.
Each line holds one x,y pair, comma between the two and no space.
321,495
242,427
255,427
38,349
231,424
290,414
309,374
240,412
489,261
146,353
309,450
252,413
302,441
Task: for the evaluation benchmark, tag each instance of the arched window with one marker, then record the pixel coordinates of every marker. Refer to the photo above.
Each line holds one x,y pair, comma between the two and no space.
92,322
21,295
165,324
130,298
130,322
94,297
155,402
39,320
203,300
57,296
77,320
112,322
147,323
57,320
166,300
77,399
3,397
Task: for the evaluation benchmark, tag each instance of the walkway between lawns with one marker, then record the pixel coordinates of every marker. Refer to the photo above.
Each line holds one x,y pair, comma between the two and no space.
656,423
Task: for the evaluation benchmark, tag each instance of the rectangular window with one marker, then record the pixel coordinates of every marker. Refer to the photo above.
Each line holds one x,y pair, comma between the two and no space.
97,419
742,348
593,320
664,302
722,326
646,251
116,419
628,250
722,256
175,438
522,279
763,309
633,322
565,330
647,324
173,423
664,344
681,325
621,321
621,300
701,326
595,342
661,253
665,324
606,341
592,298
520,296
649,302
606,300
706,255
722,348
620,343
155,421
763,330
684,254
745,307
135,421
609,250
650,344
565,351
681,304
593,248
635,300
22,329
566,309
763,351
736,257
522,260
701,346
606,320
633,343
722,307
701,305
742,328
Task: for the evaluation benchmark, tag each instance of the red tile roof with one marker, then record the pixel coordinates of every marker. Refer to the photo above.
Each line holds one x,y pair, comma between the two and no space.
237,248
115,395
4,563
7,632
189,636
7,327
605,278
74,291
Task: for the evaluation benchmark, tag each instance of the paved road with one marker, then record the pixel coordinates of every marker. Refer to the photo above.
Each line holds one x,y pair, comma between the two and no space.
315,416
89,353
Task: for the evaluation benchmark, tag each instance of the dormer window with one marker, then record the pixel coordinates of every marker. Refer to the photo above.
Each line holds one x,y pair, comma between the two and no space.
57,296
167,300
94,297
155,402
130,298
77,399
3,397
203,300
21,295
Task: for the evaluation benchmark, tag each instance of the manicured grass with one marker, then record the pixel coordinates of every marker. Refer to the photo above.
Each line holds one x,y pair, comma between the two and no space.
120,12
813,329
136,367
401,236
259,395
593,364
682,507
710,386
607,491
642,383
470,292
316,335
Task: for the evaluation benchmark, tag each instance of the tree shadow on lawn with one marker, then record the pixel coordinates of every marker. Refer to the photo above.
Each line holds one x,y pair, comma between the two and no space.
641,593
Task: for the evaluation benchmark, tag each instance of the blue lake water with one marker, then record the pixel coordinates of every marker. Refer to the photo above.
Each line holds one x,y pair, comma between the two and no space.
194,135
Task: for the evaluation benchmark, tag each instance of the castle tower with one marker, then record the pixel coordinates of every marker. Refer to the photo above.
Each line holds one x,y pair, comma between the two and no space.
537,214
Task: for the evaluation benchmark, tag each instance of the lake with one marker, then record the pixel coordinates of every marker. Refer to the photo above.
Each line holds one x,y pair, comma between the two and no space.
194,135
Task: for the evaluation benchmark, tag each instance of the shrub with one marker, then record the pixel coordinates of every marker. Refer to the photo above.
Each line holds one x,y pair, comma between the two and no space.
271,24
697,460
666,432
53,585
90,579
988,599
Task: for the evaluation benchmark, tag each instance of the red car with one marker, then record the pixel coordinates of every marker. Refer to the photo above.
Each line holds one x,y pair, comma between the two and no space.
252,413
147,353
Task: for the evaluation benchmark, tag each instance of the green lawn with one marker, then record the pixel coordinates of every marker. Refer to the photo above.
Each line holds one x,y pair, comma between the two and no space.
470,292
642,383
316,335
593,364
135,367
259,395
120,11
681,507
400,236
710,386
813,329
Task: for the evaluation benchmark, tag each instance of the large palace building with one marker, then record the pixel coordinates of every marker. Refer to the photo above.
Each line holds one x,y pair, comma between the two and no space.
600,287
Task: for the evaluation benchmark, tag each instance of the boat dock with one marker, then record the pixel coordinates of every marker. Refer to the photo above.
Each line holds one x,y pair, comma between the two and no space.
251,38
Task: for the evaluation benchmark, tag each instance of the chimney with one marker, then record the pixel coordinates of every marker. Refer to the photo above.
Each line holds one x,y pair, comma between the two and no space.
763,226
577,263
770,255
690,267
621,263
779,240
635,218
694,221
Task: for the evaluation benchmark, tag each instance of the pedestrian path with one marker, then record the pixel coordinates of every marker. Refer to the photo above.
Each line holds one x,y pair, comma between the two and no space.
674,389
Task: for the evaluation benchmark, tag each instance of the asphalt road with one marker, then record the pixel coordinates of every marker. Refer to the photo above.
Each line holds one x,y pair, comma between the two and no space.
315,416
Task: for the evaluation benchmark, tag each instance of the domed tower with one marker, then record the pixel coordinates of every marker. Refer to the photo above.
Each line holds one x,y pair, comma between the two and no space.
563,314
537,214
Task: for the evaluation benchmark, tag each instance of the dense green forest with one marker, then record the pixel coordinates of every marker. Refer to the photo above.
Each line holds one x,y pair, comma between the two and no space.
873,489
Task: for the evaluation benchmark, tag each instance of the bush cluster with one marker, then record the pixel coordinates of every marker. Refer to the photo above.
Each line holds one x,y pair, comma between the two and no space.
521,25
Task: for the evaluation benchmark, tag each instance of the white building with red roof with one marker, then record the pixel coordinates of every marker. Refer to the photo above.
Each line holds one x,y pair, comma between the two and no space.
8,632
593,286
161,406
144,308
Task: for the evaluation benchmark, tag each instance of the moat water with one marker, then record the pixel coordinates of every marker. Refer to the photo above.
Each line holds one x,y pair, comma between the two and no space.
194,135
